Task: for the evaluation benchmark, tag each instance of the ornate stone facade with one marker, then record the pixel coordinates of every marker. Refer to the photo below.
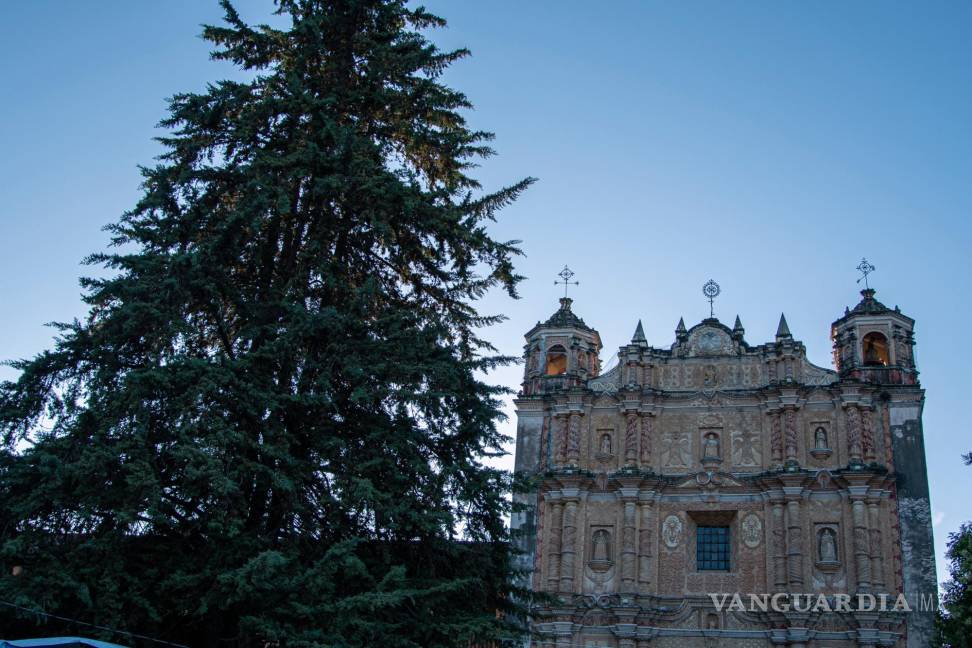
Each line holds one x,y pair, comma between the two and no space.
811,481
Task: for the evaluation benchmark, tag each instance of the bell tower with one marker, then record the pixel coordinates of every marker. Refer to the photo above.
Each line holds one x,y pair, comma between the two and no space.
874,343
875,361
561,353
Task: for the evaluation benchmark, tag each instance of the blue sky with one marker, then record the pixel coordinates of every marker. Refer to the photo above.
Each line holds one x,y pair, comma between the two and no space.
767,145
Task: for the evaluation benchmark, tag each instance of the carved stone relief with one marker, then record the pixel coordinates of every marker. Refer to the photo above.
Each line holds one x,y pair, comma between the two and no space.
752,530
672,531
676,450
746,448
709,341
645,444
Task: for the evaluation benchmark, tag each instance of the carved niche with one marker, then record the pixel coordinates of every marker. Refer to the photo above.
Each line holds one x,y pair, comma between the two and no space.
601,560
821,440
827,546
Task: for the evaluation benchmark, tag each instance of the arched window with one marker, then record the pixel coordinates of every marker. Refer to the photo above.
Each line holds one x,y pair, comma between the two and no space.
556,361
875,349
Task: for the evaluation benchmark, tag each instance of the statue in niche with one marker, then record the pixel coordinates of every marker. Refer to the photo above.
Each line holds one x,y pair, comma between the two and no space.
606,444
710,447
600,546
828,546
820,438
710,376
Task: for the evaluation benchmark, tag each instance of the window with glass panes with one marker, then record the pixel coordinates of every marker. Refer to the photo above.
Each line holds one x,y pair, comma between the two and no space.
712,548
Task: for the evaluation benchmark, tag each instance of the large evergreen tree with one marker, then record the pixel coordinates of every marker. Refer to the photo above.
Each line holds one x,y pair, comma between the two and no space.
955,624
954,620
270,428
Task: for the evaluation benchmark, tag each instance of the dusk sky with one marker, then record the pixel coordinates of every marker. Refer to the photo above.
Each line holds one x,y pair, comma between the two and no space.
766,145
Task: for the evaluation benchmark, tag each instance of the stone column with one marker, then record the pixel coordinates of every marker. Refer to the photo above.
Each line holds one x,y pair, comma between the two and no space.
553,549
776,438
867,435
631,438
861,551
573,437
646,441
628,551
568,547
779,547
794,543
854,434
790,434
560,438
876,549
645,532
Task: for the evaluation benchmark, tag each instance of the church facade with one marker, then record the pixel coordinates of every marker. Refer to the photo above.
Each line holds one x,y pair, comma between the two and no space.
718,493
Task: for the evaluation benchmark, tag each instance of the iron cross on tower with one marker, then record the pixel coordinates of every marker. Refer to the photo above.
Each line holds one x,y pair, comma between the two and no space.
566,275
865,269
711,290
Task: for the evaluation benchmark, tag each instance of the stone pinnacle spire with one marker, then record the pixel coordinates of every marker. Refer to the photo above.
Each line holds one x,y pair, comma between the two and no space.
783,330
639,336
737,329
680,330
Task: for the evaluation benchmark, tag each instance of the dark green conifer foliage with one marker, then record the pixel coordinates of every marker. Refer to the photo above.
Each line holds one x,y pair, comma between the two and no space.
270,428
954,622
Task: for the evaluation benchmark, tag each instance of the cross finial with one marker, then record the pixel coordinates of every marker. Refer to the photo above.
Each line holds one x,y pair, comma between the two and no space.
566,275
865,269
711,290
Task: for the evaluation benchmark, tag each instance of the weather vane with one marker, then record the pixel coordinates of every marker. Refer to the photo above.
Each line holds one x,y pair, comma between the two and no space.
566,275
711,290
865,269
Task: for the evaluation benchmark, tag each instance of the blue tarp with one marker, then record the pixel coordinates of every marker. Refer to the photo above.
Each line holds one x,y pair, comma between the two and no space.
59,642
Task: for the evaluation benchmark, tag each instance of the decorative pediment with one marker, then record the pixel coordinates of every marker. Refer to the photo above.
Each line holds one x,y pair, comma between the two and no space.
709,340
